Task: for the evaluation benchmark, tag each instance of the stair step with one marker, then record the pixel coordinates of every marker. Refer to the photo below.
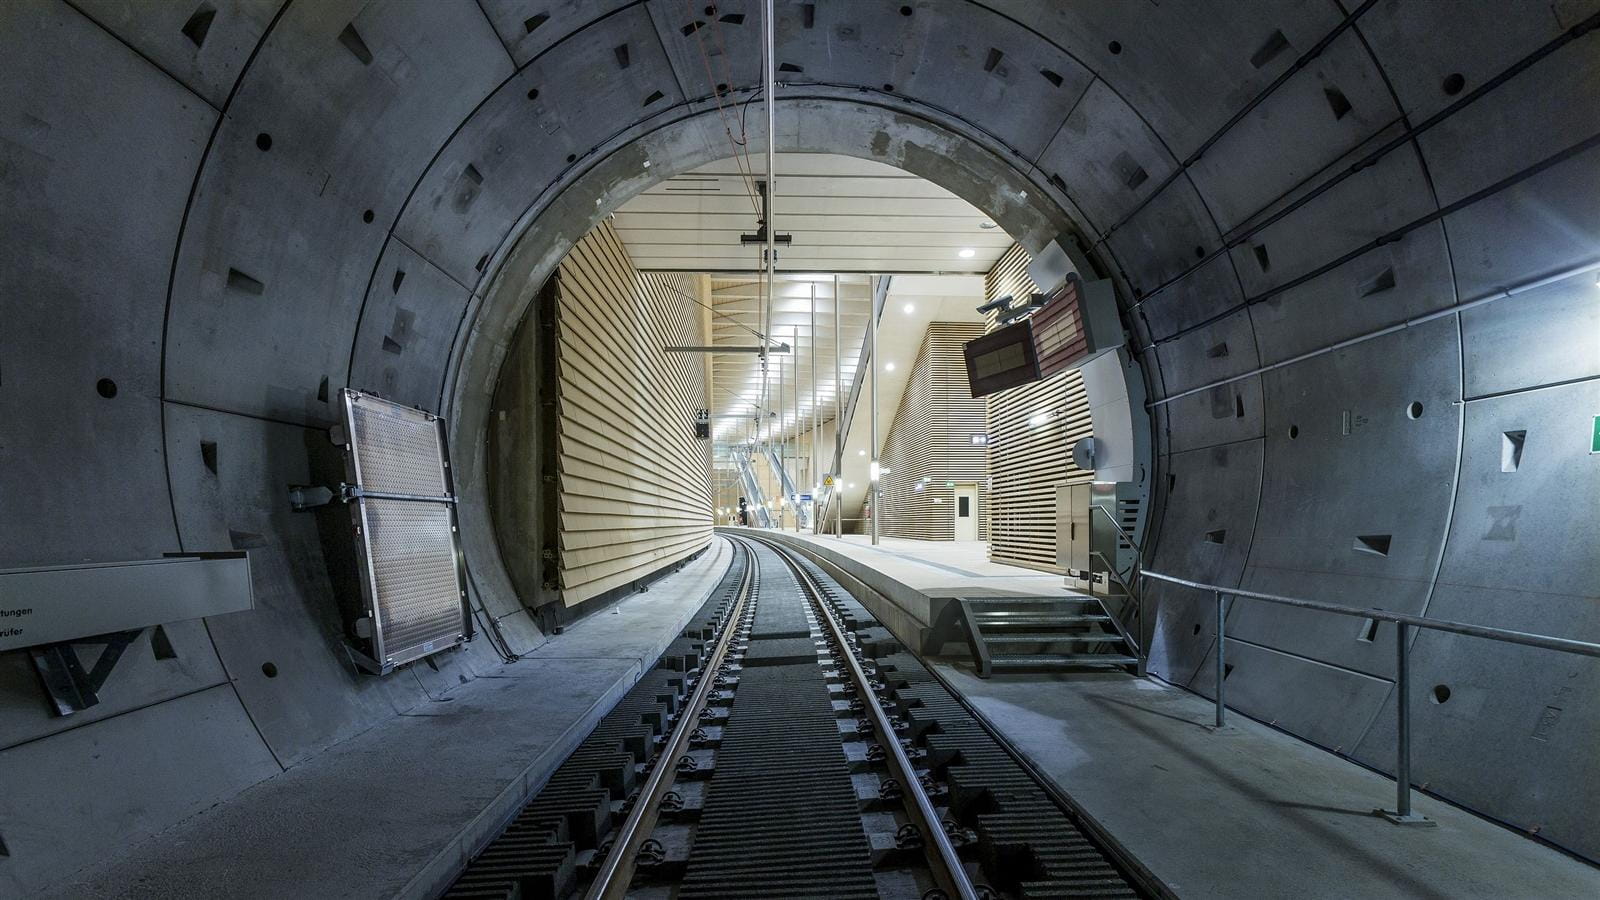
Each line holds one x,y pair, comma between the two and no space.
984,620
1028,607
1057,637
1053,659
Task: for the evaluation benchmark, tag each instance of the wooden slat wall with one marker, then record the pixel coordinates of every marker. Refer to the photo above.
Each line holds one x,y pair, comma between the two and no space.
1027,463
634,484
932,437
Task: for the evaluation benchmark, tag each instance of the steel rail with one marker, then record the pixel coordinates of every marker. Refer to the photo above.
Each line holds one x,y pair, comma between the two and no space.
615,875
944,862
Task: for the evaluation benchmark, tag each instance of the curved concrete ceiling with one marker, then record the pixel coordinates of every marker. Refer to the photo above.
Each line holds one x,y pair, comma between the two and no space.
227,228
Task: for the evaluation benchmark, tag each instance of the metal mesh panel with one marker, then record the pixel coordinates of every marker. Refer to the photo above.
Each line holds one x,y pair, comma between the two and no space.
416,591
398,448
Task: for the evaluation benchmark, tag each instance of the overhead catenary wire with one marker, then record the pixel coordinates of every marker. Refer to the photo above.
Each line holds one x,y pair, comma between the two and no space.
747,177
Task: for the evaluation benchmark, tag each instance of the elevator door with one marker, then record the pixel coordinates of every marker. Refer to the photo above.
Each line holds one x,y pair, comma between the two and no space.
966,510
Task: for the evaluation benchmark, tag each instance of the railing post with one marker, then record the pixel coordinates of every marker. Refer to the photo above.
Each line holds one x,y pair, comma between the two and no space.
1402,704
1222,642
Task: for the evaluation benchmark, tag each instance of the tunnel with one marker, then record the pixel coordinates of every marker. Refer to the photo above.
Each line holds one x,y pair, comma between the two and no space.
1355,254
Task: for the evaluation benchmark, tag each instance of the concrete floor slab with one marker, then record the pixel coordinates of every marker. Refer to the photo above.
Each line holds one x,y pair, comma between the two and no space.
397,810
1250,811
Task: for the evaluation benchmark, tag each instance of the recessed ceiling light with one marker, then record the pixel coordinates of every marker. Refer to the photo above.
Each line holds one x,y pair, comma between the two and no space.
967,253
987,225
910,308
888,367
861,453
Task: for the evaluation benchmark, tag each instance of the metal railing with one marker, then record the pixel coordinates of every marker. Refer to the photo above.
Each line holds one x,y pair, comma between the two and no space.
1402,814
1127,581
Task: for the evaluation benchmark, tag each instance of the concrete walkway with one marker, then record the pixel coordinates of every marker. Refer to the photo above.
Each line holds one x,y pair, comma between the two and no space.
397,810
1250,811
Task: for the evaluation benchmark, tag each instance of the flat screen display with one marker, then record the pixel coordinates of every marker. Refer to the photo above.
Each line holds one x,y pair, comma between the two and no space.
1001,359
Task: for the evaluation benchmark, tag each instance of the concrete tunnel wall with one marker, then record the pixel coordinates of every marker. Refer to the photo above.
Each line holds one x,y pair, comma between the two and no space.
206,230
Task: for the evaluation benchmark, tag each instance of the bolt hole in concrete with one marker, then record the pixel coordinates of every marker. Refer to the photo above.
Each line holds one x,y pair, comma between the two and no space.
905,10
1453,83
533,93
1294,432
1115,47
106,388
1414,411
572,157
263,141
1199,252
1197,628
269,670
888,87
367,217
1441,693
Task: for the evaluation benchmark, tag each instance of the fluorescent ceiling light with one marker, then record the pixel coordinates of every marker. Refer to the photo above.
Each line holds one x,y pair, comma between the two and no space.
910,308
888,367
967,253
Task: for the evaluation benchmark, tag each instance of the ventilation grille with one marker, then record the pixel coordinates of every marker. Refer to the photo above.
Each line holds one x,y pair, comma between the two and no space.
411,573
416,592
397,449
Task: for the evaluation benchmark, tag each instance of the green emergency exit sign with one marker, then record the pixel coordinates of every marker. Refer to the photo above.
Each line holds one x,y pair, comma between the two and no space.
1594,436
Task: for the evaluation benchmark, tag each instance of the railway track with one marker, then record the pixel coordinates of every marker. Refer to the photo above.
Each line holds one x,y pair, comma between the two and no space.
786,746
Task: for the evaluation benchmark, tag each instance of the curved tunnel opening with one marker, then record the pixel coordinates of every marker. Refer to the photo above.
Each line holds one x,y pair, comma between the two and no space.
868,130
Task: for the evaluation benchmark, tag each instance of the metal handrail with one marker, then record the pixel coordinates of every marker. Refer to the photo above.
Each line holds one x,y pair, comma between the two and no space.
1563,645
1126,580
1138,552
1404,623
1138,609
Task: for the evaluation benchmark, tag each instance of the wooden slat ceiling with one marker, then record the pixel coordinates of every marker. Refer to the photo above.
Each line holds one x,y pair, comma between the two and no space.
846,215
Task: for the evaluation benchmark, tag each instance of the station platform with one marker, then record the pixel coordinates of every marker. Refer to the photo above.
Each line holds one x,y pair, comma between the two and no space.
1247,811
398,810
916,579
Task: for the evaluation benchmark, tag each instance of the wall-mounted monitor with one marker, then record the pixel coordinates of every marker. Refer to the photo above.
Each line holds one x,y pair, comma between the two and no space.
1059,338
1003,358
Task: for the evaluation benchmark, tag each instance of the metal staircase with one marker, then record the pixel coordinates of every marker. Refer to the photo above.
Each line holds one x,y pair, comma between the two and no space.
1045,633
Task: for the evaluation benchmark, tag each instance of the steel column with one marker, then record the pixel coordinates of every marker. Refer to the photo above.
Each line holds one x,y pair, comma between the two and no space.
872,361
838,419
782,500
811,470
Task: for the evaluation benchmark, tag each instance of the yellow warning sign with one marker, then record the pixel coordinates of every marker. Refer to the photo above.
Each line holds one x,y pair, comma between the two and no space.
827,481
